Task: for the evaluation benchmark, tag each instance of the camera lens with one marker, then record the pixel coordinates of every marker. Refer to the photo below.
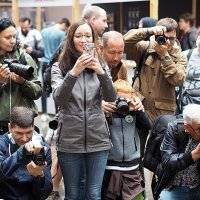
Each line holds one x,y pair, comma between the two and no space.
25,71
122,106
39,158
161,39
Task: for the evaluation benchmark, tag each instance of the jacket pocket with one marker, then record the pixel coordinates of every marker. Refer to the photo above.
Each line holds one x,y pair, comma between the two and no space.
165,106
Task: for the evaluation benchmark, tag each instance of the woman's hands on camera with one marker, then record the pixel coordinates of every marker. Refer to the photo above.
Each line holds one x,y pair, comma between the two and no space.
135,104
4,73
18,79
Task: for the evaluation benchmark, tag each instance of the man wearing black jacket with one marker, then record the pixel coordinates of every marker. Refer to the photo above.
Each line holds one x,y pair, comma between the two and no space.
181,159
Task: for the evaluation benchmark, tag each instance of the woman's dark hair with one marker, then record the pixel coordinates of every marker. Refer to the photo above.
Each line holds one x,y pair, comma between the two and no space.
69,54
148,22
5,23
188,17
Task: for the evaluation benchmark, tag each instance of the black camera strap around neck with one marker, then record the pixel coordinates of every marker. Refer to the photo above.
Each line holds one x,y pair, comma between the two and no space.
139,67
114,72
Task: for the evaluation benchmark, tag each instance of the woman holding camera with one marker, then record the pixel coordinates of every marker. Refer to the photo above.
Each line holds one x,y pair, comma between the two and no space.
14,89
79,84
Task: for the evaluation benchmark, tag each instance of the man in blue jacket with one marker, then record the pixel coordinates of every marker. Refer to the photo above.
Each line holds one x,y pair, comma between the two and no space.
24,160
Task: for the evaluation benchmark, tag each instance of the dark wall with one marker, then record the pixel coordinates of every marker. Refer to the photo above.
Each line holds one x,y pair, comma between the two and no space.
131,13
198,13
112,8
174,8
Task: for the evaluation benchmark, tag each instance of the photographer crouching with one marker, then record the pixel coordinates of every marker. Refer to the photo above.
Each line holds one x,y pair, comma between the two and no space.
25,160
19,83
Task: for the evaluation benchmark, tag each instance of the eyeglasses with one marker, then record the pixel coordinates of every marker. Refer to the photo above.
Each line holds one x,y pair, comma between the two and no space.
195,130
172,39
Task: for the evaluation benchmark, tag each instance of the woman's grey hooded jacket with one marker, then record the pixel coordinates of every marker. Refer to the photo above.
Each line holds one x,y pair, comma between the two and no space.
82,125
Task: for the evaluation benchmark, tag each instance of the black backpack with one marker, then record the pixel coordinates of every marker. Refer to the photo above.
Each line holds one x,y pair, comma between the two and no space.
47,73
152,157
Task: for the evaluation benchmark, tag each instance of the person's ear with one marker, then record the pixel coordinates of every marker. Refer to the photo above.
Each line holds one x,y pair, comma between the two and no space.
31,24
100,47
92,20
9,127
186,127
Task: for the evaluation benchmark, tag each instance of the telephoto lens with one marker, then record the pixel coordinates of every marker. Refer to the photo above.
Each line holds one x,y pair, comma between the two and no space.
25,71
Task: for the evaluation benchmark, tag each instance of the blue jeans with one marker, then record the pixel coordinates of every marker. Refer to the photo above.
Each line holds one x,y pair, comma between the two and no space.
182,193
75,165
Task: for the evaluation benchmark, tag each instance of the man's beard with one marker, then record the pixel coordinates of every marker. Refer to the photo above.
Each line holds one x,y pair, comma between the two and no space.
25,33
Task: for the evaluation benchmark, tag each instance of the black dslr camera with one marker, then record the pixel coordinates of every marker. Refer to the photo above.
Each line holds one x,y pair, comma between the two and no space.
25,71
122,106
161,39
39,158
53,124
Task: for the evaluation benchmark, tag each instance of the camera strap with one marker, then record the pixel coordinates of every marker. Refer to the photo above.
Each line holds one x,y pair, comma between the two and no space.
10,94
114,71
139,67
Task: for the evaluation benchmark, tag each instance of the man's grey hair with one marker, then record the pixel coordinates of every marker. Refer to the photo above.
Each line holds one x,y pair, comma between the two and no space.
111,35
90,11
191,112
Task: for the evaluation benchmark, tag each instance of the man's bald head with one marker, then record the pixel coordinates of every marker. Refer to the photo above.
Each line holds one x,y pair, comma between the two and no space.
97,17
111,35
112,48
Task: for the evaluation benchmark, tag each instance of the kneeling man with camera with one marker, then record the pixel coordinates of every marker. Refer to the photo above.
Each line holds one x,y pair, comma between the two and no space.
25,160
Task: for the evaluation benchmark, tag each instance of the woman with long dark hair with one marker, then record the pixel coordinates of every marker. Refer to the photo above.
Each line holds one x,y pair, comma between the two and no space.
17,88
79,84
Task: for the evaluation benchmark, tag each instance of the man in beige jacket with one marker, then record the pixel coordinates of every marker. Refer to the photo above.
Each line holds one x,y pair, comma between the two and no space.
163,69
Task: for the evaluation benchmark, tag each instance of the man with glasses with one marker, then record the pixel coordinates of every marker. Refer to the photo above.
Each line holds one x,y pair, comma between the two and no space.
181,158
163,69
